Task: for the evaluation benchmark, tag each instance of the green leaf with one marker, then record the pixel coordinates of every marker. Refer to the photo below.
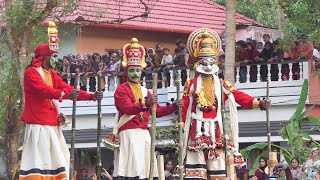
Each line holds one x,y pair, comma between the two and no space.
302,100
306,112
245,152
312,119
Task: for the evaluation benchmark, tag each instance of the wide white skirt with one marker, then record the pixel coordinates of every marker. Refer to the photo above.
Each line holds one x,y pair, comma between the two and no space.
45,154
132,159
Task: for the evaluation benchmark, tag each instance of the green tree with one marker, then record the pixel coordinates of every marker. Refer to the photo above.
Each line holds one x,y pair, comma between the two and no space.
291,132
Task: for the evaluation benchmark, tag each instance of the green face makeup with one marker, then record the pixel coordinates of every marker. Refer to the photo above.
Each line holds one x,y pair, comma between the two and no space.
53,61
134,74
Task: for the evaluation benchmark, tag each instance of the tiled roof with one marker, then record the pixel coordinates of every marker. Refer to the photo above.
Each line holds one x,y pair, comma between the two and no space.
181,16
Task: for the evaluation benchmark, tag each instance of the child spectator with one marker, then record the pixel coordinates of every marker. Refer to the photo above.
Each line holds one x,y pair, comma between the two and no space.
260,47
242,60
221,66
112,69
253,57
166,63
265,56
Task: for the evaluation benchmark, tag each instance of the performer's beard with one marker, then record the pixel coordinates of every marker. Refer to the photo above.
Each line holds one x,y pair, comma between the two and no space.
134,74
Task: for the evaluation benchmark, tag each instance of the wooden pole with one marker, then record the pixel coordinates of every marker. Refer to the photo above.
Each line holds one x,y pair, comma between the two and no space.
99,165
178,84
153,127
161,167
229,160
73,130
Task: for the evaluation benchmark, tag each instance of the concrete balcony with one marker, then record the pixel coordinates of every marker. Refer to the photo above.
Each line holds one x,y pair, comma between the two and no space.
284,94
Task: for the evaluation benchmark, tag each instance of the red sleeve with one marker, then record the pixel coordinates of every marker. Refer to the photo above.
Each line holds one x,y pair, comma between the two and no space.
243,99
34,84
124,104
83,95
186,101
165,110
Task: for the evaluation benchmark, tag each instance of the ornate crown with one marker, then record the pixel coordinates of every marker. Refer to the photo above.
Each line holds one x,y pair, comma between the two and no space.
204,43
53,36
134,54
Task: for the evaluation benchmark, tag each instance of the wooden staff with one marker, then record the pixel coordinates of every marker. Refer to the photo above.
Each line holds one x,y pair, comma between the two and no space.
99,164
178,84
73,130
229,160
153,127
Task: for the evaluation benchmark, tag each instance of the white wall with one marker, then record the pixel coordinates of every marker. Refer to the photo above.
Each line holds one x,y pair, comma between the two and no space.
67,40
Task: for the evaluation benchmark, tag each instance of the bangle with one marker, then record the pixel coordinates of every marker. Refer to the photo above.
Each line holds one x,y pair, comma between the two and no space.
63,93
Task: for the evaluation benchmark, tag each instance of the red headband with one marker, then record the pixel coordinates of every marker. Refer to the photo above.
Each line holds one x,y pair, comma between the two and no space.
39,53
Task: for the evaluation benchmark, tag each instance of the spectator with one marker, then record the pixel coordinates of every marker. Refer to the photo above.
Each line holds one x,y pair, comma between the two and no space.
296,171
168,170
84,174
221,66
166,63
305,48
67,70
113,68
248,40
157,62
266,38
242,173
265,56
92,80
316,54
253,57
97,61
313,164
277,56
106,57
150,66
242,60
179,62
260,173
181,45
260,47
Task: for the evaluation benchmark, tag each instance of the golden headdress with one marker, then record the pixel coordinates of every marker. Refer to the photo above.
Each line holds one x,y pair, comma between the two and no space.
53,36
134,54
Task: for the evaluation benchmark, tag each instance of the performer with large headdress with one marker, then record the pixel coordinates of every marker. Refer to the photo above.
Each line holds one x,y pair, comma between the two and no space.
45,154
204,151
133,102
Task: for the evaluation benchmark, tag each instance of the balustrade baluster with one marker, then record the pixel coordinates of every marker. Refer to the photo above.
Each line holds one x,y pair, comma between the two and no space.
116,79
188,75
258,73
269,72
164,80
96,77
248,74
301,71
107,82
290,71
179,72
237,74
280,72
144,84
69,81
88,84
171,78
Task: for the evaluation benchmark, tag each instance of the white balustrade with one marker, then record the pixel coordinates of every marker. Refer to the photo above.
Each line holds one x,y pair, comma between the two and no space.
171,77
164,80
248,74
300,73
96,77
107,82
280,72
116,79
144,84
290,71
237,74
188,75
179,72
269,72
88,84
258,73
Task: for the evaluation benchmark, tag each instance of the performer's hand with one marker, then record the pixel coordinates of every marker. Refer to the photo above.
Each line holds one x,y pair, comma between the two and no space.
94,177
98,95
179,103
267,103
152,100
74,94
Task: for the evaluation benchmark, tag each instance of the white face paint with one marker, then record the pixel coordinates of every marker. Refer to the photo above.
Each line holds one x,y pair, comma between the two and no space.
207,64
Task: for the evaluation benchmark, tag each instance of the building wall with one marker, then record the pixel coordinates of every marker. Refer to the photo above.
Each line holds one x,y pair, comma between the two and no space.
97,39
256,33
67,40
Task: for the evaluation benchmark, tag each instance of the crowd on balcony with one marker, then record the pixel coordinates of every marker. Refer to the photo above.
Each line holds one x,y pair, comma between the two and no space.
161,59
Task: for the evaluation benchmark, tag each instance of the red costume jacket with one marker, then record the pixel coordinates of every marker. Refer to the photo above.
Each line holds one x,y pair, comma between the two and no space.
241,98
39,109
125,103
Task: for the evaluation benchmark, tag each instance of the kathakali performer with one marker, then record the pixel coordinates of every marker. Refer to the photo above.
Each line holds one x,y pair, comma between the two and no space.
45,154
133,102
203,144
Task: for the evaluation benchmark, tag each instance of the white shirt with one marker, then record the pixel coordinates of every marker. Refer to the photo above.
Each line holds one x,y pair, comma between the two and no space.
167,59
316,53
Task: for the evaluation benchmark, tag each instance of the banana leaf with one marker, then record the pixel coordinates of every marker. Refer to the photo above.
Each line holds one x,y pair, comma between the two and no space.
245,152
